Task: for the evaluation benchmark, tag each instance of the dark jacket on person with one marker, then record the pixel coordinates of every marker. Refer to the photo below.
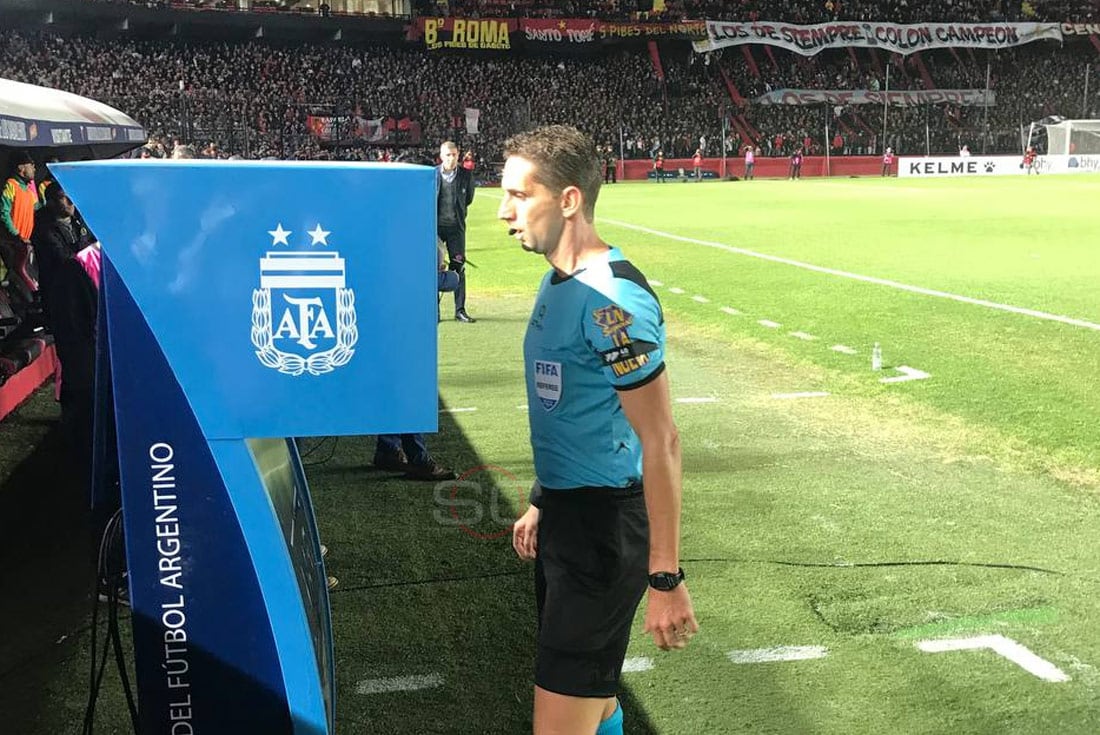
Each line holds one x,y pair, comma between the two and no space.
73,300
462,191
54,242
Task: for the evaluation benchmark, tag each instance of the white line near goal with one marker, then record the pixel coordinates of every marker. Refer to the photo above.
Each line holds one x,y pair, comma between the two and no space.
858,277
399,684
1010,649
778,653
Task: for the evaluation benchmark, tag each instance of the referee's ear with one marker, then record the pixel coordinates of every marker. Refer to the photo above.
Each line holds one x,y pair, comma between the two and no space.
572,202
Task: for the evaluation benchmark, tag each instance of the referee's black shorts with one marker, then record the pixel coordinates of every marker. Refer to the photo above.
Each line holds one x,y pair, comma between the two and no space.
590,575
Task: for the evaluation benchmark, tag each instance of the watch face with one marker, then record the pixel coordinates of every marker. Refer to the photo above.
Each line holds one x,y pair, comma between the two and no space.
665,581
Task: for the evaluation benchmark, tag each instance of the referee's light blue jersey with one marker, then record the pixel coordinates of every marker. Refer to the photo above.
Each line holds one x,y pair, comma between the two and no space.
591,334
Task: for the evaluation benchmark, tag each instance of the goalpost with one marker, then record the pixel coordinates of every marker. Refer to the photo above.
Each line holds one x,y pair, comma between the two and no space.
1073,137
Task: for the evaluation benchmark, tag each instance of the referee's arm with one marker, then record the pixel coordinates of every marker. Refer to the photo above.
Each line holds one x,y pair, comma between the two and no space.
649,410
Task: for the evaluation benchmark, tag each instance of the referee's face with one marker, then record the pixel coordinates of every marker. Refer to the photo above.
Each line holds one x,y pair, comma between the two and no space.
532,211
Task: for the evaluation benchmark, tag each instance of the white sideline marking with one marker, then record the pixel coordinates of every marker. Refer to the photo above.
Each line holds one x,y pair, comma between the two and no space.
637,664
398,684
866,279
700,299
730,310
779,653
803,336
769,324
807,394
1003,646
676,290
458,410
843,349
522,408
908,374
705,399
656,283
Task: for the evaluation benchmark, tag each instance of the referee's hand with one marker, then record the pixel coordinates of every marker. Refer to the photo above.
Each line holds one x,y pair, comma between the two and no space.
525,534
670,617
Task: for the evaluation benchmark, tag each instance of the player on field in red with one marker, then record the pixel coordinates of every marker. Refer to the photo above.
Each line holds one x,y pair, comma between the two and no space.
1029,161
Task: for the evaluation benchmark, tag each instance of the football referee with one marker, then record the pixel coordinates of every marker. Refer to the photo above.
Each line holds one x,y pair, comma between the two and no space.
601,421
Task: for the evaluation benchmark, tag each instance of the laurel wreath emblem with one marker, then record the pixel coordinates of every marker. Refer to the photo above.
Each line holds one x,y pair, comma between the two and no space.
347,334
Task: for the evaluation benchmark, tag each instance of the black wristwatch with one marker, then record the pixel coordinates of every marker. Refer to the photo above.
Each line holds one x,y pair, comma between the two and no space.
665,581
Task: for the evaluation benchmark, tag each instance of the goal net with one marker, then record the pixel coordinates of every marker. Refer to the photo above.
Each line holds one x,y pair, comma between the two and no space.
1073,137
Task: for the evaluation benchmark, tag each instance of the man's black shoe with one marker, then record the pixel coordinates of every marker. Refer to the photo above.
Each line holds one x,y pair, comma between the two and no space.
392,462
430,472
462,316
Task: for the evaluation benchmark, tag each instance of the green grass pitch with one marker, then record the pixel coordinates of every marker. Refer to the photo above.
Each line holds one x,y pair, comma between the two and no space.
856,522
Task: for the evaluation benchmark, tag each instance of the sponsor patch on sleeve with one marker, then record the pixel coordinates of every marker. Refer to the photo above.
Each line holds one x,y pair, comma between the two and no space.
625,356
628,358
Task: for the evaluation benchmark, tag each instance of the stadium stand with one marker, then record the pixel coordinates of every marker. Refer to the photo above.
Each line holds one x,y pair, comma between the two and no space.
256,100
900,11
394,97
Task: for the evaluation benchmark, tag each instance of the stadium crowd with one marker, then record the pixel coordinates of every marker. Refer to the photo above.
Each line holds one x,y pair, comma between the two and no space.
256,99
896,11
796,11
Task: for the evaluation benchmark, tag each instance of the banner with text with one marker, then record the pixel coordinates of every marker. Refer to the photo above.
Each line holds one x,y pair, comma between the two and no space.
496,34
1071,164
903,39
473,34
937,167
558,30
329,127
353,128
995,166
1080,29
908,98
687,31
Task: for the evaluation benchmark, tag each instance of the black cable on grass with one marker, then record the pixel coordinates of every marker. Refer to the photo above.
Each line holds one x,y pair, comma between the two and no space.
110,572
438,580
298,442
877,564
777,562
332,452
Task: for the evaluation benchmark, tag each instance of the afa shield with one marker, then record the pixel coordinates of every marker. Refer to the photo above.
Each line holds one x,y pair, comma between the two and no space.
303,314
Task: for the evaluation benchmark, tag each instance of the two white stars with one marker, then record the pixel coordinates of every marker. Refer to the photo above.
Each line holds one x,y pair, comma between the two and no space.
279,235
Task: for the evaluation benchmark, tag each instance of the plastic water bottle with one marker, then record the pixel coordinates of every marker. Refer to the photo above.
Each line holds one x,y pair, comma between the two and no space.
876,357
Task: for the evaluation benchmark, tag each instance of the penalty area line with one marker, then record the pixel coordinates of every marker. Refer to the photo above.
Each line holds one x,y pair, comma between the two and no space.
637,664
999,644
777,654
399,684
859,277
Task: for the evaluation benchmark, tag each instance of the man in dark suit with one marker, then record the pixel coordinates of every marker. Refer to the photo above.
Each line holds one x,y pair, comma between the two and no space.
59,234
454,192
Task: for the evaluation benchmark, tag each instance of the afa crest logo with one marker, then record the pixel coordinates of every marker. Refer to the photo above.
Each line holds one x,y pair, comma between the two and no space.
303,315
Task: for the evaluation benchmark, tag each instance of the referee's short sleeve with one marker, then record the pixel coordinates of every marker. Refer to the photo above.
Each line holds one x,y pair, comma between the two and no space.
626,331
